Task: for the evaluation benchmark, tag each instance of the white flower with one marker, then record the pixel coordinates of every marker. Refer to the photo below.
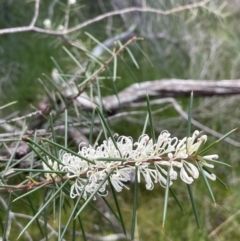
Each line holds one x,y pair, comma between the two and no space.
125,145
74,165
156,163
143,169
210,176
144,149
172,174
54,166
122,175
47,23
208,158
78,188
192,170
194,147
188,168
94,179
165,144
211,157
188,146
184,176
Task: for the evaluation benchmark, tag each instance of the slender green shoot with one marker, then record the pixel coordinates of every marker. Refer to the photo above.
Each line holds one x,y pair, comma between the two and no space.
150,119
135,198
42,208
165,206
207,184
104,123
86,203
118,207
193,205
202,152
176,199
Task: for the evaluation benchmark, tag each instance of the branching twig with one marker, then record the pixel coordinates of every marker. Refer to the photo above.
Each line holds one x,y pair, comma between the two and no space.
21,117
97,73
12,216
34,184
36,13
24,216
226,222
31,27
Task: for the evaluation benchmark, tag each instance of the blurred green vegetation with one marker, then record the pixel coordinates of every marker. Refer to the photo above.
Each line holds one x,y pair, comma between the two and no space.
202,43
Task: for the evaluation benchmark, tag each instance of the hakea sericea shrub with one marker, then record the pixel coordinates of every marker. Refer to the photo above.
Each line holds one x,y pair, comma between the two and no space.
155,162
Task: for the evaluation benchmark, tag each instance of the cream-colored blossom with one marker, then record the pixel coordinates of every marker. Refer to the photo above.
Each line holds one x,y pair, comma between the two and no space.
54,167
167,159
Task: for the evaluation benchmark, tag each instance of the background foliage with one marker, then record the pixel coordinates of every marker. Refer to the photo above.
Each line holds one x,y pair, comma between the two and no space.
200,43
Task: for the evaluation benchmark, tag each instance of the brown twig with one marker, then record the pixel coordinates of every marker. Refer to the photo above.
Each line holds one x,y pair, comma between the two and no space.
34,184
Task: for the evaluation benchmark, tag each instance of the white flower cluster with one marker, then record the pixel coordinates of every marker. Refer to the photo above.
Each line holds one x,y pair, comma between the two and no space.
155,162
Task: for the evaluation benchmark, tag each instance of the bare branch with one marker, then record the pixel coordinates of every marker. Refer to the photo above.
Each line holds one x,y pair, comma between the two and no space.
24,216
98,72
215,232
171,88
133,96
12,216
137,9
31,27
36,12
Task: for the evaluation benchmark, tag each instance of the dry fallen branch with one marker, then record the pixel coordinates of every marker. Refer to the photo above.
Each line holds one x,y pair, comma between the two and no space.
171,88
135,94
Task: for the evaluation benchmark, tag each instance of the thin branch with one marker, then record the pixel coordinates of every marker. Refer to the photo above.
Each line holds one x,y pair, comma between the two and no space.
24,216
206,129
100,70
31,27
36,13
12,216
66,21
226,222
184,114
171,88
21,117
112,237
133,95
32,184
137,9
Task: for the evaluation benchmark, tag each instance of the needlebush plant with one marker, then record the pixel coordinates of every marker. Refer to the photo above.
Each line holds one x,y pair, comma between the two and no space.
74,180
98,140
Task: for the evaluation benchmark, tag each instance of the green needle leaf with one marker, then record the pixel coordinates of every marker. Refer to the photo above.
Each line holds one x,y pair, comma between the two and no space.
150,119
193,205
118,207
189,123
207,183
42,208
92,195
110,207
166,198
216,142
218,179
73,213
176,199
104,123
66,149
135,198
